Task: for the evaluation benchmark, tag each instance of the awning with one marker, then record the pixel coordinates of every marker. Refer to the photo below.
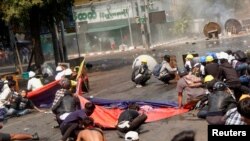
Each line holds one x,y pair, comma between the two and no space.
106,26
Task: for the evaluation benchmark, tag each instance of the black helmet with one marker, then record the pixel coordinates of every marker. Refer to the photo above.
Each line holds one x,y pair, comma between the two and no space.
182,72
219,86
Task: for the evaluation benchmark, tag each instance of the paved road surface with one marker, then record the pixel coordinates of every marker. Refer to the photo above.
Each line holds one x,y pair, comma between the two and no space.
115,83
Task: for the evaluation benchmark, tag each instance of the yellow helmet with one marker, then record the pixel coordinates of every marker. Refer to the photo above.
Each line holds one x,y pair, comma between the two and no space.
208,78
209,58
189,56
144,60
243,96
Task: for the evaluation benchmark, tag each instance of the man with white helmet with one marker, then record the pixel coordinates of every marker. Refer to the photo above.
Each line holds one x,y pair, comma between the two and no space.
59,72
33,83
229,75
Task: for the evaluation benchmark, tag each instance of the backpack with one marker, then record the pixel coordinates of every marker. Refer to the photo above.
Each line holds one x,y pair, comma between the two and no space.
240,55
157,69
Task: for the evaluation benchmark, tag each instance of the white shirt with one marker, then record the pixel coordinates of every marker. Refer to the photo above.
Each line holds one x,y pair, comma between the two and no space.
34,83
4,95
60,75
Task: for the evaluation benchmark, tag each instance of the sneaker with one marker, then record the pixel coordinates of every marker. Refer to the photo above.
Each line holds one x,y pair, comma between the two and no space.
138,86
35,136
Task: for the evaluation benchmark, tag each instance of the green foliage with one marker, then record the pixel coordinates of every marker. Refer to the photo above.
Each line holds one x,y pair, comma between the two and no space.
181,26
16,8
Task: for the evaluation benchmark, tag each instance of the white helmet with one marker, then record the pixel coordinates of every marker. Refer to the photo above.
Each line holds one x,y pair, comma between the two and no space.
59,68
223,55
68,71
31,74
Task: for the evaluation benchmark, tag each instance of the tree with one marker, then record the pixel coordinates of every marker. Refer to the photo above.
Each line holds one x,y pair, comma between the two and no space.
37,12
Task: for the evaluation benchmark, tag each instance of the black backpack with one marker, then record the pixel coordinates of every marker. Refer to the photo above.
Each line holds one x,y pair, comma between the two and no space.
240,55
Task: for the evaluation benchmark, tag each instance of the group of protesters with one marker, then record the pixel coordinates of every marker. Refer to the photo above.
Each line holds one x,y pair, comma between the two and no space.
219,82
216,84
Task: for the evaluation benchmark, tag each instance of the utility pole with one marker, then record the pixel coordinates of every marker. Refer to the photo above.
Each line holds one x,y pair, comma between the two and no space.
144,41
147,22
129,25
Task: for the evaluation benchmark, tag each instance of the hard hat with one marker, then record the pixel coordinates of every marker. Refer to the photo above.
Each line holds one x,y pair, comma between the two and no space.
31,74
68,71
203,59
243,96
131,136
144,60
219,86
213,54
223,55
189,56
208,78
59,68
209,58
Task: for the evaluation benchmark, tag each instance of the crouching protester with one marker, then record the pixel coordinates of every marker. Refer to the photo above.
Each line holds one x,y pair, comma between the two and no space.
239,115
141,74
220,100
130,119
167,73
191,86
72,124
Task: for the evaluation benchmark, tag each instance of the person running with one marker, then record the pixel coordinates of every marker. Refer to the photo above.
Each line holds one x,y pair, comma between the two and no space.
130,119
72,123
167,73
17,136
90,133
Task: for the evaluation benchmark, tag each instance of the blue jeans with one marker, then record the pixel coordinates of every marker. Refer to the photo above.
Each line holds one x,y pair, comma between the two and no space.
23,112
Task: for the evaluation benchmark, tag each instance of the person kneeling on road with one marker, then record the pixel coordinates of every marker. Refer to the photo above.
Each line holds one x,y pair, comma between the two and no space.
131,119
191,86
73,122
167,73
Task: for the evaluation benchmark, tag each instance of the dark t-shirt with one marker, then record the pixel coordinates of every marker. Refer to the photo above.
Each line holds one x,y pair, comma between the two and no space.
25,104
128,115
75,116
14,101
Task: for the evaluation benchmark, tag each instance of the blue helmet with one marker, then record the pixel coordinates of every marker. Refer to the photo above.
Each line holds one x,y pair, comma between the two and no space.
203,59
